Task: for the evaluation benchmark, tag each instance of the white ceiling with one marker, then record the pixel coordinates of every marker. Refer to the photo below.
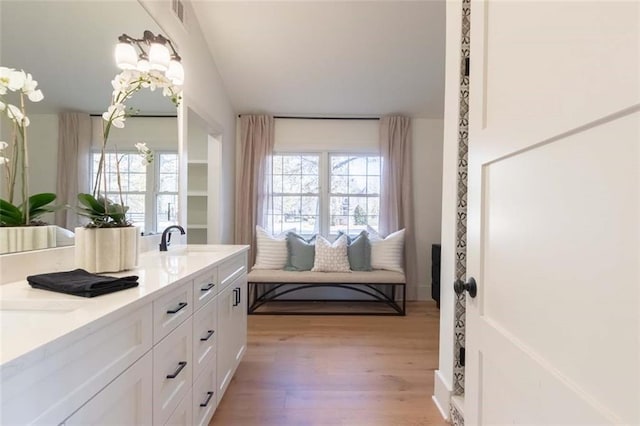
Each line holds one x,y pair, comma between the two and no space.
361,58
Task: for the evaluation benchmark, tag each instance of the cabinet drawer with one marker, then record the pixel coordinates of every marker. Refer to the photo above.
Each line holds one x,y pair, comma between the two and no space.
205,287
204,337
125,401
204,397
172,371
63,380
171,309
183,415
231,269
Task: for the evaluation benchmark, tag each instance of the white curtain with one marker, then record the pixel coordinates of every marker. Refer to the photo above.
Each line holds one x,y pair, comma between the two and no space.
256,147
396,193
74,142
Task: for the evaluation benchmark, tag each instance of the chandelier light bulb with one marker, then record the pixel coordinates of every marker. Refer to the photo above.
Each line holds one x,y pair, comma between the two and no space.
175,72
159,57
126,56
143,65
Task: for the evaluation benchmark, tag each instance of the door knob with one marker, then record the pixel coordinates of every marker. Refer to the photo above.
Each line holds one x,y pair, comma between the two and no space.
459,287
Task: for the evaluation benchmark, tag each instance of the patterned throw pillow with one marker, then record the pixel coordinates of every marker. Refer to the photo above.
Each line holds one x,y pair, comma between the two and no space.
271,250
331,257
387,253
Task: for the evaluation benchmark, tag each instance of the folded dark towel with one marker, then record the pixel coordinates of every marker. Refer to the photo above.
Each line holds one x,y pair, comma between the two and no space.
81,283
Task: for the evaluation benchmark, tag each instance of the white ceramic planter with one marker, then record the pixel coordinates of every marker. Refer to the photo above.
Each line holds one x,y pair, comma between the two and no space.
107,249
22,238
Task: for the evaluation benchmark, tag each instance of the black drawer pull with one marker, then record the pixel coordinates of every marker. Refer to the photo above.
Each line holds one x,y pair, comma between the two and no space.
206,401
238,296
208,287
209,334
235,297
180,306
181,365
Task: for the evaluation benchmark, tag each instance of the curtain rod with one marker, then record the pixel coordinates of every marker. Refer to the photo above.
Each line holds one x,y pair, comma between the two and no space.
141,116
322,118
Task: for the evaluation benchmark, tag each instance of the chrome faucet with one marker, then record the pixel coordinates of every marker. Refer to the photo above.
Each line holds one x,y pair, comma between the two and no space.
166,236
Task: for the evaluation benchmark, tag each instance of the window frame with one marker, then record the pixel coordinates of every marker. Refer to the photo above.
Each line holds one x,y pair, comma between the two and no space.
152,184
324,185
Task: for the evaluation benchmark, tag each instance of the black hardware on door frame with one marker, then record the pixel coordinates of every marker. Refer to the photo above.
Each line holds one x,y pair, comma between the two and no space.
470,286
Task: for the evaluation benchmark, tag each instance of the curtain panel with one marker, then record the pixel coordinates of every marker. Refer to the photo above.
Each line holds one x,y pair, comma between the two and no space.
74,142
396,193
255,149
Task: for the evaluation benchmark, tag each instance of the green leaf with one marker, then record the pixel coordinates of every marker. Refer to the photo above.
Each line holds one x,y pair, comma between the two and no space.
37,201
9,214
89,201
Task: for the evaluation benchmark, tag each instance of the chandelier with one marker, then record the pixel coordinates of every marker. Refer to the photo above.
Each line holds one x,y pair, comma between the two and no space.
152,54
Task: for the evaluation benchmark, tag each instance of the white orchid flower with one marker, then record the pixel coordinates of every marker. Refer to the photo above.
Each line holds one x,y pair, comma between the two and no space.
116,115
3,145
145,152
16,80
14,113
29,89
5,77
35,96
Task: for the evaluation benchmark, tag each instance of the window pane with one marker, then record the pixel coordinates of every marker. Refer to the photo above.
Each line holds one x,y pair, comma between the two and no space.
168,183
291,164
291,209
373,206
168,163
373,185
310,184
373,165
308,225
277,184
138,182
291,184
339,165
339,184
357,184
166,211
339,206
309,206
277,164
338,223
358,166
310,164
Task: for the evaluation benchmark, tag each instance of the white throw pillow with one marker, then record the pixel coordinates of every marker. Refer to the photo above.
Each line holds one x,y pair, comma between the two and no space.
271,251
331,257
387,253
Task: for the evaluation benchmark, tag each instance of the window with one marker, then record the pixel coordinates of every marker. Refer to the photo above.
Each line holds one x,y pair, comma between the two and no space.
151,192
354,196
349,202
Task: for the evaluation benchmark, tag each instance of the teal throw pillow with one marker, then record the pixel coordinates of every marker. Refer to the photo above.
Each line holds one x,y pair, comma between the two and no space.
301,252
359,252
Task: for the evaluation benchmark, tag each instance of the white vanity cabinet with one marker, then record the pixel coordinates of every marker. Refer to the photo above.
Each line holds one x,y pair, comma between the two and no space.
157,362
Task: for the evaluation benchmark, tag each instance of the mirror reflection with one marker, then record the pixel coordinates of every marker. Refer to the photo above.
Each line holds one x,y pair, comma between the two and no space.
72,58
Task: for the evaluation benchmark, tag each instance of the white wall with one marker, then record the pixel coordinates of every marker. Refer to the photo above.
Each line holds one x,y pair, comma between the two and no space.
443,381
204,93
159,133
326,135
427,195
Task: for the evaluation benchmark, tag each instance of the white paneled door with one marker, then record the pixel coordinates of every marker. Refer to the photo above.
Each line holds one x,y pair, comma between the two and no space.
554,222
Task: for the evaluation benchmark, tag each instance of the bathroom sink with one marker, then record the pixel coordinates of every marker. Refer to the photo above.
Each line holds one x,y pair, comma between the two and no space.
194,249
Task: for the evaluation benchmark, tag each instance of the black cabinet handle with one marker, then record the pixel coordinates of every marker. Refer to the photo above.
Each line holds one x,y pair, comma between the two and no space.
180,306
208,336
181,365
206,401
208,287
235,297
238,296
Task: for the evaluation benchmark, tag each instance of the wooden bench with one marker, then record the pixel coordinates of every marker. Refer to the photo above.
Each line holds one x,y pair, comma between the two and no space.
381,288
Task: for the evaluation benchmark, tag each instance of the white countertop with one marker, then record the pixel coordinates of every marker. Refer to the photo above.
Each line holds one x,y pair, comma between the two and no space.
33,321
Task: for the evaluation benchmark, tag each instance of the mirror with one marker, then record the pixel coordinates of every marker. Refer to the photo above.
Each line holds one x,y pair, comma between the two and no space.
71,55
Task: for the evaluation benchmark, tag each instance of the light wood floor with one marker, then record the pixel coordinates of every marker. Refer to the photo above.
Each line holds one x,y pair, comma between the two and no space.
336,371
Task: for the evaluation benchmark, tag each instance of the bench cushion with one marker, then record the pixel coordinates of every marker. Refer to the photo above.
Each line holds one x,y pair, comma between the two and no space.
308,277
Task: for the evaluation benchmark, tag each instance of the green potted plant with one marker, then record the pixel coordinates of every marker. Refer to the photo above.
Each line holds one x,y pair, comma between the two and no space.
109,242
20,224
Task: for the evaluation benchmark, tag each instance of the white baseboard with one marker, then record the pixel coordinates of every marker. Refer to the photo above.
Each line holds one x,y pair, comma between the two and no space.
442,394
424,292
